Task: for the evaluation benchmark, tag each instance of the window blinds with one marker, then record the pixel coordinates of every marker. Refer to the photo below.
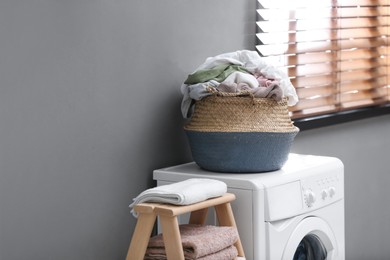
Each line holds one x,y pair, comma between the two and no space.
336,52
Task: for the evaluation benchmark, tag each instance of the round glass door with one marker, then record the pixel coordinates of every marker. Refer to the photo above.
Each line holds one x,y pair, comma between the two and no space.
310,248
312,239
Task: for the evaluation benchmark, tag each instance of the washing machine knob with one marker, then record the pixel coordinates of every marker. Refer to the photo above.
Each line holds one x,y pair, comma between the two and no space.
310,198
324,194
332,191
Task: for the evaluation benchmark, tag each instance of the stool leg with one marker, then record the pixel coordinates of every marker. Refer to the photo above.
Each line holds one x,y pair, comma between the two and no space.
198,217
226,218
171,236
141,236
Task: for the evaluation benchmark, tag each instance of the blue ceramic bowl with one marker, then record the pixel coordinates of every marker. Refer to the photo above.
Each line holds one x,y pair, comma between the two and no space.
240,152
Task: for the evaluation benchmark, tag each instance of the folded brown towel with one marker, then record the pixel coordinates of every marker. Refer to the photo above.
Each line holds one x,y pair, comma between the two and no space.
198,241
229,253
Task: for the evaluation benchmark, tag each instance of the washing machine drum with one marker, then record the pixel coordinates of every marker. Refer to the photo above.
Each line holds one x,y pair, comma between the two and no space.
312,239
310,248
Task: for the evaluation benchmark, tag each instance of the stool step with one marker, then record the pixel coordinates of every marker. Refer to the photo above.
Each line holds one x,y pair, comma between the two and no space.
175,210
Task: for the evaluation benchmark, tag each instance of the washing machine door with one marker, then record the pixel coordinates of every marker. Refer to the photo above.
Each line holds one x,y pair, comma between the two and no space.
312,239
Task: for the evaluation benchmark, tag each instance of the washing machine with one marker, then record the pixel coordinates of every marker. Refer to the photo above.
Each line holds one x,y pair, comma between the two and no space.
296,212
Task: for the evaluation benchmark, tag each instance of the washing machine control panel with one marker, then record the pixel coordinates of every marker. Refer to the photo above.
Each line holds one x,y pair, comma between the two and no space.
320,191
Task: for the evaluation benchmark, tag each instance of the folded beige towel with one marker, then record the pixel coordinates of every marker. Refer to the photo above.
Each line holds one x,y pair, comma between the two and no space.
229,253
198,241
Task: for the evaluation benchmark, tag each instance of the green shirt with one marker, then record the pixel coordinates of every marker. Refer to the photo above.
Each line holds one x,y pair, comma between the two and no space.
218,73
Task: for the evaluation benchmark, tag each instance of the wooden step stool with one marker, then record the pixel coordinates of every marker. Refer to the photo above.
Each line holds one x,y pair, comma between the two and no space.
148,212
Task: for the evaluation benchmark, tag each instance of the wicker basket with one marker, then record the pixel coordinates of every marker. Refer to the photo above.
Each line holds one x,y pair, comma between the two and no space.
239,133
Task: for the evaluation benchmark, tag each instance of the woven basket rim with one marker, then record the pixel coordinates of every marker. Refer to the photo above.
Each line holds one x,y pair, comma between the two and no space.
242,93
293,130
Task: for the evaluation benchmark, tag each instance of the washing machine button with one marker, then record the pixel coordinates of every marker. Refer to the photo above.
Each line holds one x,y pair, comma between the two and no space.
332,191
324,194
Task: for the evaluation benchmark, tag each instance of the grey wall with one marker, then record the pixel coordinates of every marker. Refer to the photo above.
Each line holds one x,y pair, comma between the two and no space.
90,105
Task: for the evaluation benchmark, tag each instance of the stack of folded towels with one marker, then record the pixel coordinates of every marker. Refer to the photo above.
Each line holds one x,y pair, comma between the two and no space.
199,243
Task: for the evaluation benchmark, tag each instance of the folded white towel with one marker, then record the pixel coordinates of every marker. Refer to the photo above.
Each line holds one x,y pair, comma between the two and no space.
182,193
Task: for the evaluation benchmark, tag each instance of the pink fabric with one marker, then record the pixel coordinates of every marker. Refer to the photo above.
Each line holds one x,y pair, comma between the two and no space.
229,253
199,242
267,88
233,87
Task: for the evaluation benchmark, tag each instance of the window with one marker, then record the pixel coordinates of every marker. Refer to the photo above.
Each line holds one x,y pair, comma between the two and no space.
336,52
